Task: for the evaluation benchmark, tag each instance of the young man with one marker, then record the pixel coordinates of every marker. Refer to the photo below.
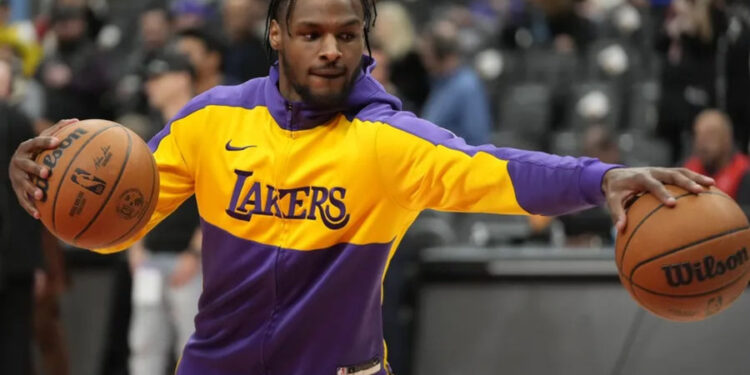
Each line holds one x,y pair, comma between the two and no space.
306,181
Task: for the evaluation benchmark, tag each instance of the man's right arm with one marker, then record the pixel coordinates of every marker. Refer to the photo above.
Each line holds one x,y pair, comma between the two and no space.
175,150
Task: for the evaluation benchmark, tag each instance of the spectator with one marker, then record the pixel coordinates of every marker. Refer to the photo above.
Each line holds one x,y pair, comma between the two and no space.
19,39
457,99
396,34
171,252
714,153
155,33
155,30
243,25
206,53
74,74
20,245
688,45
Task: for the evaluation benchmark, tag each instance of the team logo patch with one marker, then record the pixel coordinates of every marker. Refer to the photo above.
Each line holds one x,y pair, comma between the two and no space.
251,198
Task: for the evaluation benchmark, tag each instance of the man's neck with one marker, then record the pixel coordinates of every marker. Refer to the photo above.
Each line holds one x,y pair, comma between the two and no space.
171,109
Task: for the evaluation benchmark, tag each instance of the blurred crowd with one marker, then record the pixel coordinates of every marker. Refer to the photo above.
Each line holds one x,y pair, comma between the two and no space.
639,82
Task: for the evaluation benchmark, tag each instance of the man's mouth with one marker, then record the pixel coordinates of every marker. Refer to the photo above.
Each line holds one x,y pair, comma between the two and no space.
328,73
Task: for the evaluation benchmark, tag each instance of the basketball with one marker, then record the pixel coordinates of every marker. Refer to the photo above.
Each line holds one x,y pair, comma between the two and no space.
102,187
687,262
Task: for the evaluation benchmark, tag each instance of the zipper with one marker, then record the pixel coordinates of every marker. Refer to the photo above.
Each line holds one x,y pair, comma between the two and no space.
290,118
279,182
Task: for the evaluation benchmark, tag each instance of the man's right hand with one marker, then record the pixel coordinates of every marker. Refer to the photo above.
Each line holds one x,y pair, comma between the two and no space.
23,168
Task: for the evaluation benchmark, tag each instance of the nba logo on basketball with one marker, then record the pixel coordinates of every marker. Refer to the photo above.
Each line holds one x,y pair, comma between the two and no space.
341,371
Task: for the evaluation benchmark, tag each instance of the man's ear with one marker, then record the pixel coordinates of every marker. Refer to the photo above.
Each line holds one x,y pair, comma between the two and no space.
274,35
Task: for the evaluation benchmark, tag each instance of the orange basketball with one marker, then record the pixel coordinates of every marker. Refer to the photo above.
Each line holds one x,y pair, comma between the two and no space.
103,184
688,262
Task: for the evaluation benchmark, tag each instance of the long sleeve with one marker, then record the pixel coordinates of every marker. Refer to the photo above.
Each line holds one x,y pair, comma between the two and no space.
425,166
175,149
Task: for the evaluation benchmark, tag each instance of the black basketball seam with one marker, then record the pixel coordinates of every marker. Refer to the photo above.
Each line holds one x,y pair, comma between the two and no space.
653,211
65,173
696,294
627,243
114,187
143,214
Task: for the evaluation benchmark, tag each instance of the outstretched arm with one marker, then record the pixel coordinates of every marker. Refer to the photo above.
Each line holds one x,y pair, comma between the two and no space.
424,166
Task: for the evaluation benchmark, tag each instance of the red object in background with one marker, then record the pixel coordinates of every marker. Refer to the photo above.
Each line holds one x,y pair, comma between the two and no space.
728,178
41,25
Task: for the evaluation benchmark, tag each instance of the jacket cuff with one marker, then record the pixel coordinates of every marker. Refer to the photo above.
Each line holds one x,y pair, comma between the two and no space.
591,180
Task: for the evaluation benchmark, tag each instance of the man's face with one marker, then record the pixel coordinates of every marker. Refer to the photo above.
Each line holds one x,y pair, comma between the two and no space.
320,52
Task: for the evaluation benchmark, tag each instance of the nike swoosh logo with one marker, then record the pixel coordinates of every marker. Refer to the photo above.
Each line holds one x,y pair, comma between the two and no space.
233,148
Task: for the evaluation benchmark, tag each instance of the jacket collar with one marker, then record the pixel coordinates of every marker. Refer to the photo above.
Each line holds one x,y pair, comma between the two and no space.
300,115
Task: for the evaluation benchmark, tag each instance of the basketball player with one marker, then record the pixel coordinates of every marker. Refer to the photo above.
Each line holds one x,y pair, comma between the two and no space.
306,181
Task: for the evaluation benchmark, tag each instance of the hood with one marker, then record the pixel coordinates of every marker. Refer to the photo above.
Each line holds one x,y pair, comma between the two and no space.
366,92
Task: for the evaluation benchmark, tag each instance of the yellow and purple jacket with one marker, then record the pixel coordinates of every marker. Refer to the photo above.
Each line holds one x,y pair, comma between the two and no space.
302,209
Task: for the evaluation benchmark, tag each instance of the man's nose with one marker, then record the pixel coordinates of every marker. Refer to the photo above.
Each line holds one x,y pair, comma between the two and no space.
330,48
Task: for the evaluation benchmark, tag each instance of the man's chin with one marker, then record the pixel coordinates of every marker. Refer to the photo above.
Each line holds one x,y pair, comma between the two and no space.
327,99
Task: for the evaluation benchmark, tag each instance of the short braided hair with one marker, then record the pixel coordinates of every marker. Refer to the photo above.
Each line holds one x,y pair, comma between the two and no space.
274,10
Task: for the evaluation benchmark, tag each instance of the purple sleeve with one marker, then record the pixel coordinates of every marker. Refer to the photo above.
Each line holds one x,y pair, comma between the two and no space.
544,184
552,185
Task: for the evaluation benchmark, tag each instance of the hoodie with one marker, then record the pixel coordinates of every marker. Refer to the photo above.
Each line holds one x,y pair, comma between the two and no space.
302,209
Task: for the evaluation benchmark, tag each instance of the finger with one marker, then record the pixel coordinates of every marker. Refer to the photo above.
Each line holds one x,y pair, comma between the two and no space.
697,177
31,190
30,168
674,177
617,212
35,145
658,189
58,126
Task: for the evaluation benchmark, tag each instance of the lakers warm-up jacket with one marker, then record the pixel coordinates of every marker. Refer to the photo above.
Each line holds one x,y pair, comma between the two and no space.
303,208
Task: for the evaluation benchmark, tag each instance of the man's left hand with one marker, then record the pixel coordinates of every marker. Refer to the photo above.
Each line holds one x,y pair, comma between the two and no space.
620,184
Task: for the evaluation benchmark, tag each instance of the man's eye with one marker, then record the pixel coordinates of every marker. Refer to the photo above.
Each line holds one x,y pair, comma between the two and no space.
310,36
346,37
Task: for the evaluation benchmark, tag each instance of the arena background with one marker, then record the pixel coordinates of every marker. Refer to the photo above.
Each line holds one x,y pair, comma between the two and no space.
475,294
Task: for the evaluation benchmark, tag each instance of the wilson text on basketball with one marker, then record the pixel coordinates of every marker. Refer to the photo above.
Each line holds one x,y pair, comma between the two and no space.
50,160
685,273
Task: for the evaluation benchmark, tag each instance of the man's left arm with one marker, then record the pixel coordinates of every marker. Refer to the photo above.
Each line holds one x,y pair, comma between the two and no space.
424,166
